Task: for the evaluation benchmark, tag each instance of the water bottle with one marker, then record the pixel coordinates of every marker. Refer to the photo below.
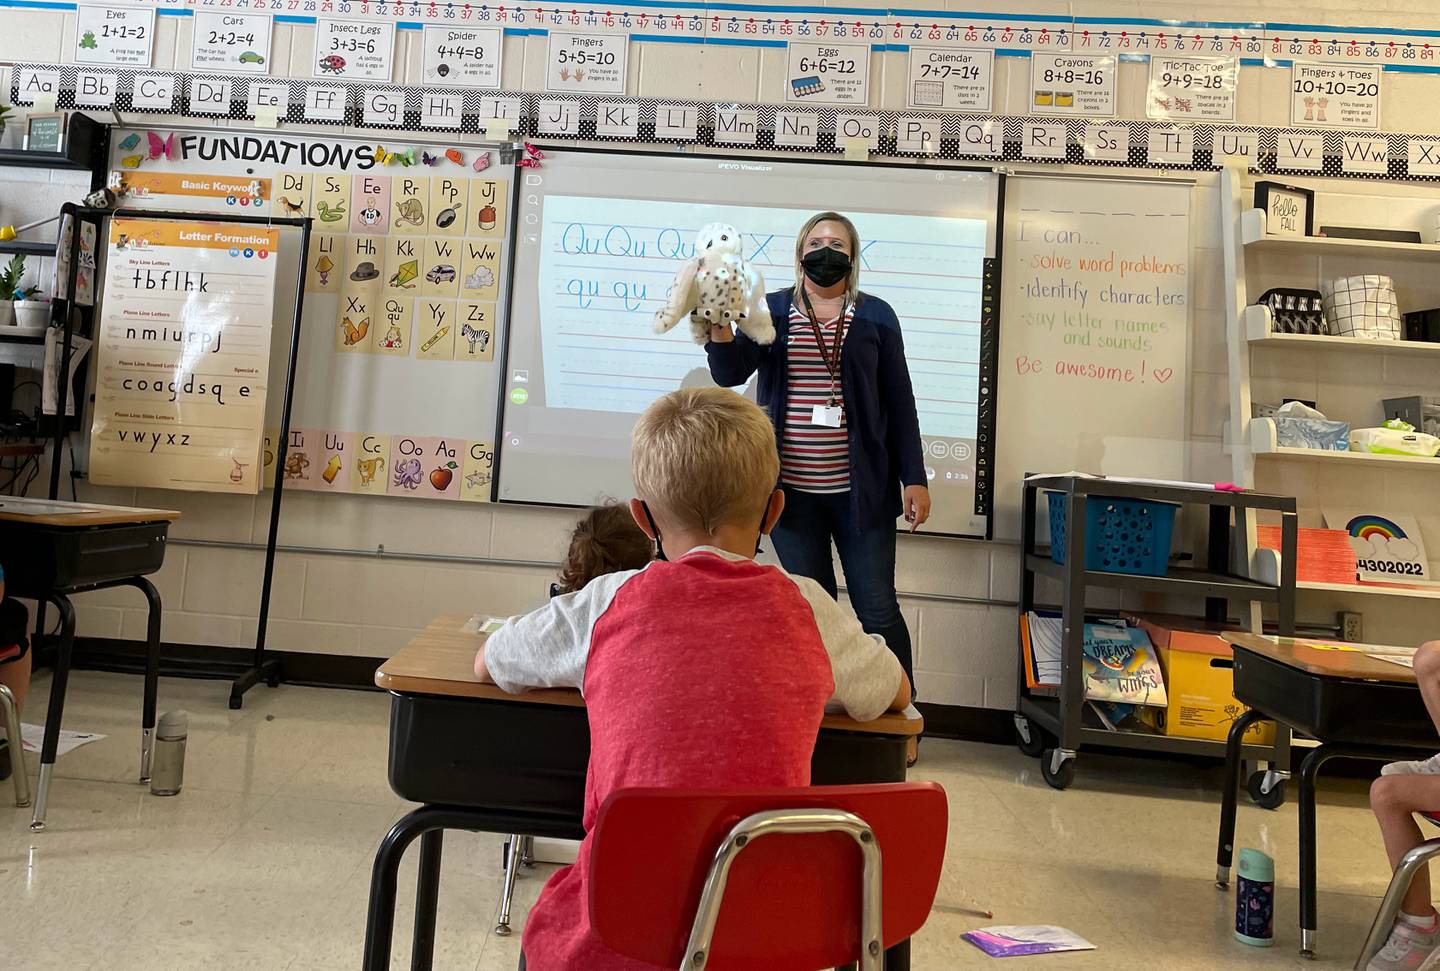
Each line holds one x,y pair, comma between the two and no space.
1255,899
167,771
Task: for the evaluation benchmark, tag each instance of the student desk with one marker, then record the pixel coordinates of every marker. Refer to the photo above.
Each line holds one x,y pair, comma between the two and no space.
1354,705
479,759
52,549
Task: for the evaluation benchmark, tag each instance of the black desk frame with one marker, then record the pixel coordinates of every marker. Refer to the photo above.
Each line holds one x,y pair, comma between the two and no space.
531,780
1394,746
60,679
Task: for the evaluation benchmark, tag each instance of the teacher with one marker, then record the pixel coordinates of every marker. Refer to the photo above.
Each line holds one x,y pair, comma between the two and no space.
837,388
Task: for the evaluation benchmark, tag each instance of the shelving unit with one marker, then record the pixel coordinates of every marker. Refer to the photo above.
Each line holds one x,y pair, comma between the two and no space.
1259,324
28,247
84,142
1249,326
1051,727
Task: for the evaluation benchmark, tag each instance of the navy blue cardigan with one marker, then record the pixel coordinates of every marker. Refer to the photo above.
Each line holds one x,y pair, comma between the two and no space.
884,431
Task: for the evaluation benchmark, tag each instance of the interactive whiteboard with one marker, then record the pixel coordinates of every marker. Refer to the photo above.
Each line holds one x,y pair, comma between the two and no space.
599,238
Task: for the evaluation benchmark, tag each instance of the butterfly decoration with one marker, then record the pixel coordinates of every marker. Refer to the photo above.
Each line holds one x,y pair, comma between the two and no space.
130,141
161,147
131,161
429,159
407,157
455,155
532,157
482,162
384,157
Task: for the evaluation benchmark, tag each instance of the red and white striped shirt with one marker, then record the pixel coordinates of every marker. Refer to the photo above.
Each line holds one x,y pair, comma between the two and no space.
813,458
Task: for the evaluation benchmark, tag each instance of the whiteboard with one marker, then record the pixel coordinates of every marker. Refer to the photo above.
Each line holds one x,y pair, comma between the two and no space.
379,408
601,235
1094,335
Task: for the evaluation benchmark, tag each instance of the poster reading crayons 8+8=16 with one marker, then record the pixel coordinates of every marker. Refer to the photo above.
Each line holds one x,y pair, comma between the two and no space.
183,355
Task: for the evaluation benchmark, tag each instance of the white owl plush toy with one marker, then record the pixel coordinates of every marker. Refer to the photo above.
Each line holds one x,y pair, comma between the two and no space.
718,286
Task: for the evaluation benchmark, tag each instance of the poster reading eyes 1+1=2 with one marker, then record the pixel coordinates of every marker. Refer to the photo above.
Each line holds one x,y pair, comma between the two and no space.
121,36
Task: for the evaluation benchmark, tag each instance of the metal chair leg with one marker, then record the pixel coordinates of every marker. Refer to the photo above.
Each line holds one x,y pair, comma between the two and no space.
1390,906
527,851
17,747
507,891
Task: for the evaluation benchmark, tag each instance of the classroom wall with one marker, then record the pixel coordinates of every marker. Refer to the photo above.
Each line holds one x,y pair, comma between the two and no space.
439,557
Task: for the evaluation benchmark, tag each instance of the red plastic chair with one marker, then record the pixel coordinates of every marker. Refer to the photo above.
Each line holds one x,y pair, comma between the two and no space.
784,879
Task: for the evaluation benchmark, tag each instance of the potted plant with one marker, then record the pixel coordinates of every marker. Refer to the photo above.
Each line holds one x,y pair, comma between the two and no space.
10,275
30,311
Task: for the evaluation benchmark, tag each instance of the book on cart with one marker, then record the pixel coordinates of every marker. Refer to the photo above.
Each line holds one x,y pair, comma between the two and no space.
1120,662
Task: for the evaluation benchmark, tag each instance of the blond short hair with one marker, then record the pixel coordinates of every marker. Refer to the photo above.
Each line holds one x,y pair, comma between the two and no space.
852,281
706,457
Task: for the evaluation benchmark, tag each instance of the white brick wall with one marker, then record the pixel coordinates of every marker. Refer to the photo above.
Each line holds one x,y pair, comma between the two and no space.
368,606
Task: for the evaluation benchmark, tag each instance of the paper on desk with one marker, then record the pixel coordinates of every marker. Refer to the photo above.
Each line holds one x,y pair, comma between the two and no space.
34,735
481,624
1404,660
53,352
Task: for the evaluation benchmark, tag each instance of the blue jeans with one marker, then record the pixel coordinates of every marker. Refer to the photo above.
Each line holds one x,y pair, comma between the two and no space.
802,537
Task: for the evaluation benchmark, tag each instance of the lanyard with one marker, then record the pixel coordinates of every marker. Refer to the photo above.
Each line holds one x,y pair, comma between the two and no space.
832,362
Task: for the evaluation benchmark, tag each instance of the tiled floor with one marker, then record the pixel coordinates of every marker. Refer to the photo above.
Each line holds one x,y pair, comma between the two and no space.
263,860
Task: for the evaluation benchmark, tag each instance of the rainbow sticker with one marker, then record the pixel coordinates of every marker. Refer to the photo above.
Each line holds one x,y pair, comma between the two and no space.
1368,527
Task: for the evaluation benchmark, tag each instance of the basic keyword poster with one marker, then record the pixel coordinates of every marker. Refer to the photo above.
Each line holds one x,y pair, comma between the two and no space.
183,355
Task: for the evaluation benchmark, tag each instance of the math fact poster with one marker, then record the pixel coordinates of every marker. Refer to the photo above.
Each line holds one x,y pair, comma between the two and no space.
183,355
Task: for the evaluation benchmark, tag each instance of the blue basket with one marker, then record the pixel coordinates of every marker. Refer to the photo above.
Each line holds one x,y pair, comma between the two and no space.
1121,535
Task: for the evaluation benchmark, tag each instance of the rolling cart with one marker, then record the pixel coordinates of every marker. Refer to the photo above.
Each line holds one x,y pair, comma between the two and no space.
1050,725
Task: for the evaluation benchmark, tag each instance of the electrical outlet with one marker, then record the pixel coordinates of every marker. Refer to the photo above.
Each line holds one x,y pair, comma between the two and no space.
1352,628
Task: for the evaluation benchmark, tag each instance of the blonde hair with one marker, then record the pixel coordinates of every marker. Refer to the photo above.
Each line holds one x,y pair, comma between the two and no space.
706,457
852,282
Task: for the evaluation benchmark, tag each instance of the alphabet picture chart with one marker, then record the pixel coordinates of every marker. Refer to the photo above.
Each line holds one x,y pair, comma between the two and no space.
119,36
404,296
463,57
1073,84
183,355
237,43
950,79
831,74
354,50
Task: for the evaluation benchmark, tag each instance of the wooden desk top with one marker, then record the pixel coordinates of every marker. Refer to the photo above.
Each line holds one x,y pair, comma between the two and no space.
58,512
441,661
1331,659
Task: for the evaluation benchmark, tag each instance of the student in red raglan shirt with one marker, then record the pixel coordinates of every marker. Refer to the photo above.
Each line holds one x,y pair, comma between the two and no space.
705,669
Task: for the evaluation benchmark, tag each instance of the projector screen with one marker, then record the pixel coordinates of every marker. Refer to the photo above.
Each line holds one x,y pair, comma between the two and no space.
599,238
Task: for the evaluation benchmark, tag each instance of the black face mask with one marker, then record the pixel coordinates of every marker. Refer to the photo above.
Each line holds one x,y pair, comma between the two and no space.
826,267
660,547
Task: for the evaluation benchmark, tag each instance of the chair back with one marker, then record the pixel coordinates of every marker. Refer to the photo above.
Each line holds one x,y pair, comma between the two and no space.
790,901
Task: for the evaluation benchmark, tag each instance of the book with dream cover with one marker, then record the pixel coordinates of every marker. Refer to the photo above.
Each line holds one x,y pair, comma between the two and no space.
1120,662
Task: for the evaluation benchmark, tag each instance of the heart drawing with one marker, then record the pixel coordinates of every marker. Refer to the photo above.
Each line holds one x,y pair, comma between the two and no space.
1163,374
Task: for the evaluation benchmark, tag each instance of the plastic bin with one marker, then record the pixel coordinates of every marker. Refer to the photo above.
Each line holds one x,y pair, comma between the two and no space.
1121,535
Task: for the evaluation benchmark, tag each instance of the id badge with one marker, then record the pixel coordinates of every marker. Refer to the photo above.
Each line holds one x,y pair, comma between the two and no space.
827,416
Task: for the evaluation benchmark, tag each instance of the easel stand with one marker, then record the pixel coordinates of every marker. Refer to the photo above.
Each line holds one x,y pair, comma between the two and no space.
261,668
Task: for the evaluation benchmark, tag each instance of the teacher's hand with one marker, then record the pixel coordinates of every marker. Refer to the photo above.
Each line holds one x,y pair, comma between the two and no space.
722,333
917,506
